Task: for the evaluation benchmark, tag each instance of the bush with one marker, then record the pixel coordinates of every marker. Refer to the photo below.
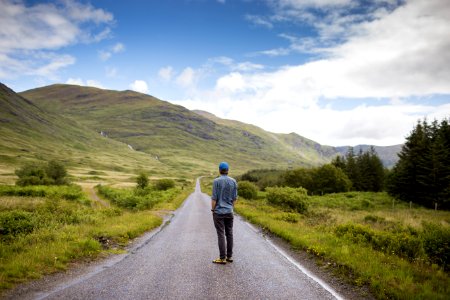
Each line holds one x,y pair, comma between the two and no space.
16,222
330,179
136,198
40,174
436,241
288,197
56,172
247,190
142,181
401,243
164,184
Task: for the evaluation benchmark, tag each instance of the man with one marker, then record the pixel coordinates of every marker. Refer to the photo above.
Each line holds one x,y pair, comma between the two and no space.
224,195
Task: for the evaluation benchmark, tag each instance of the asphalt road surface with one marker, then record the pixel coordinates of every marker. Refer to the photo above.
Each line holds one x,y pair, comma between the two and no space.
177,263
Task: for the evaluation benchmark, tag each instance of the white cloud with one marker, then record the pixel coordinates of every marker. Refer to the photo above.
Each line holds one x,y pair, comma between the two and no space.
89,82
33,63
166,73
119,47
259,21
75,81
139,86
247,66
301,4
30,34
186,78
233,82
399,54
104,55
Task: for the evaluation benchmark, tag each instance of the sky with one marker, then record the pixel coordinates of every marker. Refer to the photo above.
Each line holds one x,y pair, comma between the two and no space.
339,72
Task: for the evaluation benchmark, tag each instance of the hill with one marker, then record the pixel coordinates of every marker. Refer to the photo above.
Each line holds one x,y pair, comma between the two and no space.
126,131
178,137
28,133
308,149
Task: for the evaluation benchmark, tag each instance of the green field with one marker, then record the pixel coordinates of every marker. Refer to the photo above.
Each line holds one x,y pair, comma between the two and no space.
368,239
45,228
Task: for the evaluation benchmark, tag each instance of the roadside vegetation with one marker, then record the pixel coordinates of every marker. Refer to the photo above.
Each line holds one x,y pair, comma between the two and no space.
45,228
398,251
341,214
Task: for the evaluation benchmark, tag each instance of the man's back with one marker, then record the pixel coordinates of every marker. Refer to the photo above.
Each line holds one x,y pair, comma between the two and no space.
225,193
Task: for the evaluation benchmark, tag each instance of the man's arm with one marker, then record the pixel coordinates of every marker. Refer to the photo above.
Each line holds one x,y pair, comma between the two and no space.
213,196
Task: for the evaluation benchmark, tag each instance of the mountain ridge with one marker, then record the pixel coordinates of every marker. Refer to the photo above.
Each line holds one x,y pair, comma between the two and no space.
388,154
178,136
181,140
29,133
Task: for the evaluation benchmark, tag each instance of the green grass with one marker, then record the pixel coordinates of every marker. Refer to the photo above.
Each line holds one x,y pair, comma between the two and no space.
350,229
45,228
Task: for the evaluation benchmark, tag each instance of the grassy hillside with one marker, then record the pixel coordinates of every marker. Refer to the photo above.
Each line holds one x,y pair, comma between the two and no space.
28,132
309,150
178,137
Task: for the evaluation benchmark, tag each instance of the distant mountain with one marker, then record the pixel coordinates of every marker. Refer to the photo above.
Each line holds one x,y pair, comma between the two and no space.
308,148
29,132
177,139
387,154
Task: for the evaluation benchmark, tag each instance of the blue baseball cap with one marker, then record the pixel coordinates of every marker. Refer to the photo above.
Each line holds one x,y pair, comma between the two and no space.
223,166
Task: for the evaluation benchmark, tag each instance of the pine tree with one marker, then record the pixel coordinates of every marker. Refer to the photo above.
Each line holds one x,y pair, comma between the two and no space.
405,173
441,165
422,174
351,169
339,162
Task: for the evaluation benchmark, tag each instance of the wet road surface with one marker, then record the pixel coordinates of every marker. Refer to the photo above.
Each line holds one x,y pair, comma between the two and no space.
176,264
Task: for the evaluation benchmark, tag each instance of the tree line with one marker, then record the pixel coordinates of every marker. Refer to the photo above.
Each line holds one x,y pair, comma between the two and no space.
422,174
361,172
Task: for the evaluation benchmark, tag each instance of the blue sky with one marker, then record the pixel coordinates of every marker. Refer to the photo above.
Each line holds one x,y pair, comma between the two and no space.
340,72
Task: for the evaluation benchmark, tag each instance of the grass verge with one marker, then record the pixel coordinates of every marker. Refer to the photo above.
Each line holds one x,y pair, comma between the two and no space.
328,231
44,229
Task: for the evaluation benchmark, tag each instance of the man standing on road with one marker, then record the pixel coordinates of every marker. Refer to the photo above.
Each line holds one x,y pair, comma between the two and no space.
224,195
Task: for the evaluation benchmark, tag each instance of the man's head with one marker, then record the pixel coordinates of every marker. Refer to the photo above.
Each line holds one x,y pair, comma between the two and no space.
223,168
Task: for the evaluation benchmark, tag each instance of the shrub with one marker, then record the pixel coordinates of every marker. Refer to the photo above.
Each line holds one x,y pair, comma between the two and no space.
373,219
164,184
288,197
142,181
56,172
330,179
32,174
136,199
289,217
436,242
247,190
401,243
40,174
16,222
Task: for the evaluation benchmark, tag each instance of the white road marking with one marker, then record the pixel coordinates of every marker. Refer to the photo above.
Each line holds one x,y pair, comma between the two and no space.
300,267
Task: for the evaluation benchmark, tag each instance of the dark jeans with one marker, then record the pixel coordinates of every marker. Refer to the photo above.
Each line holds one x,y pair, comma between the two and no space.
224,227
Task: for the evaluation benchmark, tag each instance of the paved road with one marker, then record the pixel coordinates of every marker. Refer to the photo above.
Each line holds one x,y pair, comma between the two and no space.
176,264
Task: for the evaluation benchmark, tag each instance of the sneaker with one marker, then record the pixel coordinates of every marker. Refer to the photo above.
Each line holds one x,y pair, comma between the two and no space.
221,261
229,259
